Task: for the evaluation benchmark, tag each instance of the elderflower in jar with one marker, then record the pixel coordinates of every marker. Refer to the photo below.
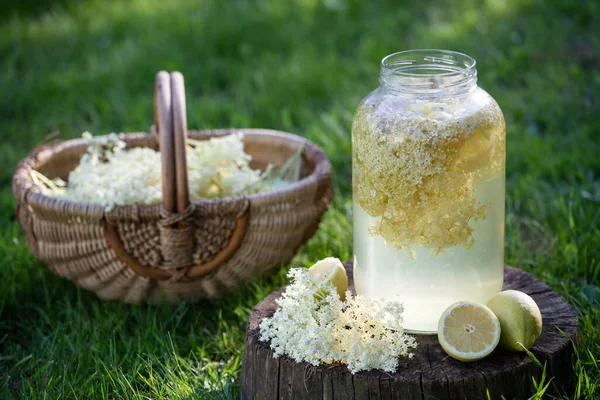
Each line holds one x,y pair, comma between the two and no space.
428,184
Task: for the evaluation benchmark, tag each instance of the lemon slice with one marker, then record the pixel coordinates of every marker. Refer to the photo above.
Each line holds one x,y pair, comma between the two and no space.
330,269
468,331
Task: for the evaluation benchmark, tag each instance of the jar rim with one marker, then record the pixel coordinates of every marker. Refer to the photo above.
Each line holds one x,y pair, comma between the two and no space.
452,62
428,71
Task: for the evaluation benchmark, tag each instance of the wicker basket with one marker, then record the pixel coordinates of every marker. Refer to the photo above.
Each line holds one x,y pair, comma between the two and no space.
179,250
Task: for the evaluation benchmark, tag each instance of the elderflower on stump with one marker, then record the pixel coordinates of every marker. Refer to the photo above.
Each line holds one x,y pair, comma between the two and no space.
362,333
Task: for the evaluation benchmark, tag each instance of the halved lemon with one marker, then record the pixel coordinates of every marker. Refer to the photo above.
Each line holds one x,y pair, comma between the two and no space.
332,270
468,331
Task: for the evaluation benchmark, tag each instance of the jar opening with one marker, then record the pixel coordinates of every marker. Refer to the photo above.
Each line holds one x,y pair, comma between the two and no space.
425,72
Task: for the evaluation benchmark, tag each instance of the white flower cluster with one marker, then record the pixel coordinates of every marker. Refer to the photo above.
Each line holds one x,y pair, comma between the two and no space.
219,167
362,333
109,175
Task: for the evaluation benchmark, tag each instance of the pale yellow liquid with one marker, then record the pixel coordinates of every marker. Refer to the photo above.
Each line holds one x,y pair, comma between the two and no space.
428,284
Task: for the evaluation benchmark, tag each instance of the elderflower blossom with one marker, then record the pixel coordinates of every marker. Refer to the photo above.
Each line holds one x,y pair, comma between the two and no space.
360,332
109,175
220,167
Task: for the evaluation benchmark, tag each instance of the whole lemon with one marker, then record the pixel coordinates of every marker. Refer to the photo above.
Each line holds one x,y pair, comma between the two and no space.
520,319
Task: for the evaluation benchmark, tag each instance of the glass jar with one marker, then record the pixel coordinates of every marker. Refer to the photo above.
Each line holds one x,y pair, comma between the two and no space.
428,156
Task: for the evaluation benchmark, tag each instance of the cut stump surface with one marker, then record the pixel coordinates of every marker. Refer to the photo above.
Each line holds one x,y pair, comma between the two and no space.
431,373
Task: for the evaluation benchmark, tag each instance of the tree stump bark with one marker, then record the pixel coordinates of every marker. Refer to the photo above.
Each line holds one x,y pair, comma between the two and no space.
431,373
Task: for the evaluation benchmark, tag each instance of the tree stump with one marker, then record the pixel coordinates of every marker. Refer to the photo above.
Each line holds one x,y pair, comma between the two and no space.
431,373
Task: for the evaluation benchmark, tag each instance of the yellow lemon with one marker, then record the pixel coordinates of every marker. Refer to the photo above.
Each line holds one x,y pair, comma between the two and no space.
468,331
520,319
330,269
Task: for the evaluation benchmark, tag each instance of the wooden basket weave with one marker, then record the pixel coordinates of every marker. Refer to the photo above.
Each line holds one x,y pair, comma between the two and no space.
179,250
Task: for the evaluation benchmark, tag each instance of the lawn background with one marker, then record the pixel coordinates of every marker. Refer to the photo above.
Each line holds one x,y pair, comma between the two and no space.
299,66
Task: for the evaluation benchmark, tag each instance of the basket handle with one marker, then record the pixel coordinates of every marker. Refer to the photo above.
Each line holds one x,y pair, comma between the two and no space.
171,120
163,119
179,138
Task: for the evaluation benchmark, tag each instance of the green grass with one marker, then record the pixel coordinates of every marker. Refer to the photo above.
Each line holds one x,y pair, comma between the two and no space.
302,66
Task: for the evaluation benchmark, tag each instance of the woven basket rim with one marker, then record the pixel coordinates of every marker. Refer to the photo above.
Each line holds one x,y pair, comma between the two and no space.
24,189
